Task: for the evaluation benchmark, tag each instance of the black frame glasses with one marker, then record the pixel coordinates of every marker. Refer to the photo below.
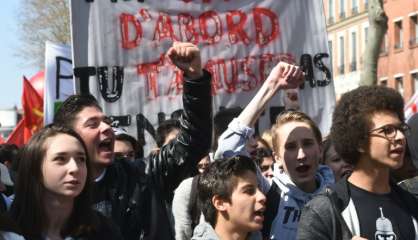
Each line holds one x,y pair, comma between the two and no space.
390,130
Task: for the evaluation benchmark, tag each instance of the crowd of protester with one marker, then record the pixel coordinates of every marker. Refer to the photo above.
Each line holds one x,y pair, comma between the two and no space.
210,177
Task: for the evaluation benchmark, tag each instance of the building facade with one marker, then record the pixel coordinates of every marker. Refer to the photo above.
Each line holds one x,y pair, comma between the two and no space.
347,24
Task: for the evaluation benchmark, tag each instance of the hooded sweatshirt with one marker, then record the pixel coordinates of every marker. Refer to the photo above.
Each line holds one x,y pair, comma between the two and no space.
232,142
204,231
292,201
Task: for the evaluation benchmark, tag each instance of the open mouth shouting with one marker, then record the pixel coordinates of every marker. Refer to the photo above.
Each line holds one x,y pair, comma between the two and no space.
259,215
303,168
105,148
397,151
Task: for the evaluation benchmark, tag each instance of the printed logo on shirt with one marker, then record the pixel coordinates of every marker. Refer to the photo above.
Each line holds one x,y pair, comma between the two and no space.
384,229
104,207
291,215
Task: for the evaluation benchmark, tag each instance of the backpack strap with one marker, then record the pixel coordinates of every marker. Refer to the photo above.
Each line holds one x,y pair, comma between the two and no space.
194,208
272,207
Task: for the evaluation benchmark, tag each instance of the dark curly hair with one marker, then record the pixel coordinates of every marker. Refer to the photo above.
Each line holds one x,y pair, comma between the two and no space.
351,120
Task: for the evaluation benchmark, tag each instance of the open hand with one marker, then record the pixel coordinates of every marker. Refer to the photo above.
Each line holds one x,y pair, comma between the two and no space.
186,56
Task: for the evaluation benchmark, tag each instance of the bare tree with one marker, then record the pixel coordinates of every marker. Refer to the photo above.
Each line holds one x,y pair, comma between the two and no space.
378,25
42,20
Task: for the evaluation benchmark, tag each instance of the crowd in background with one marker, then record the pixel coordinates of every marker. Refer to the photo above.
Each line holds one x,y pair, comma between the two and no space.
211,177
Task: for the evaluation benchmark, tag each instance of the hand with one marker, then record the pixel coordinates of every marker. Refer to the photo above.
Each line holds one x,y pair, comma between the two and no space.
186,56
285,76
155,150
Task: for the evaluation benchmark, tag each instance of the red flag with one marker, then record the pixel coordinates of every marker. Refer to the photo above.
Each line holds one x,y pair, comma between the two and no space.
32,113
32,108
18,136
1,140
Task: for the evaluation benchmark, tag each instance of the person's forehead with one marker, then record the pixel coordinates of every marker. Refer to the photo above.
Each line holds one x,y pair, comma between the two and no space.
90,112
244,179
63,143
294,130
124,142
383,118
330,150
267,160
174,131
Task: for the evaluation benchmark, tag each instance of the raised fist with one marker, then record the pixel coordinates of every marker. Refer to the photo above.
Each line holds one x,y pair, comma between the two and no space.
186,56
283,76
286,76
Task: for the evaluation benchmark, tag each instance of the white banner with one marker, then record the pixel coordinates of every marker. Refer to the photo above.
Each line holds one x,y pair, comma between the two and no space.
119,48
59,81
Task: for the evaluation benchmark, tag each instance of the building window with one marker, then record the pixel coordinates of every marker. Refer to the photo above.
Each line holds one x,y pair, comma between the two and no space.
398,34
353,62
383,82
366,35
399,84
354,7
342,9
415,80
413,23
341,55
330,11
384,46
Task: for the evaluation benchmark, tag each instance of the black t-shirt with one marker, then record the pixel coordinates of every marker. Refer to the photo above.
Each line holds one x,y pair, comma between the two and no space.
382,216
101,199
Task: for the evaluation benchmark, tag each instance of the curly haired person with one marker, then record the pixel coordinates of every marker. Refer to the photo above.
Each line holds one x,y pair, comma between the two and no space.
368,131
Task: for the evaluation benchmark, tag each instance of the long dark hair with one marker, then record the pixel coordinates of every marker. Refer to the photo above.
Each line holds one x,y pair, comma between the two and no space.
28,208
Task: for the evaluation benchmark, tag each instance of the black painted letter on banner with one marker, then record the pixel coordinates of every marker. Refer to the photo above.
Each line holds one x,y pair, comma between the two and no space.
117,83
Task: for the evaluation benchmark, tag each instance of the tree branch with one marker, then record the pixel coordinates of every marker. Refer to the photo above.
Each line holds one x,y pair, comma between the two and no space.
378,25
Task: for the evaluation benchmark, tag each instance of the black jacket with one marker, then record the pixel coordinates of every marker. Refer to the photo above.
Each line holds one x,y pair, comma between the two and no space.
139,193
3,205
321,218
98,228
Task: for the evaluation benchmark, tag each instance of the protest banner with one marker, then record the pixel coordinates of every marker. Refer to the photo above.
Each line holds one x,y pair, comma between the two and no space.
119,47
59,82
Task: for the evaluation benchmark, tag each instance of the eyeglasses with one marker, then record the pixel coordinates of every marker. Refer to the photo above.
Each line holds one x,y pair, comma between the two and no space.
390,130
